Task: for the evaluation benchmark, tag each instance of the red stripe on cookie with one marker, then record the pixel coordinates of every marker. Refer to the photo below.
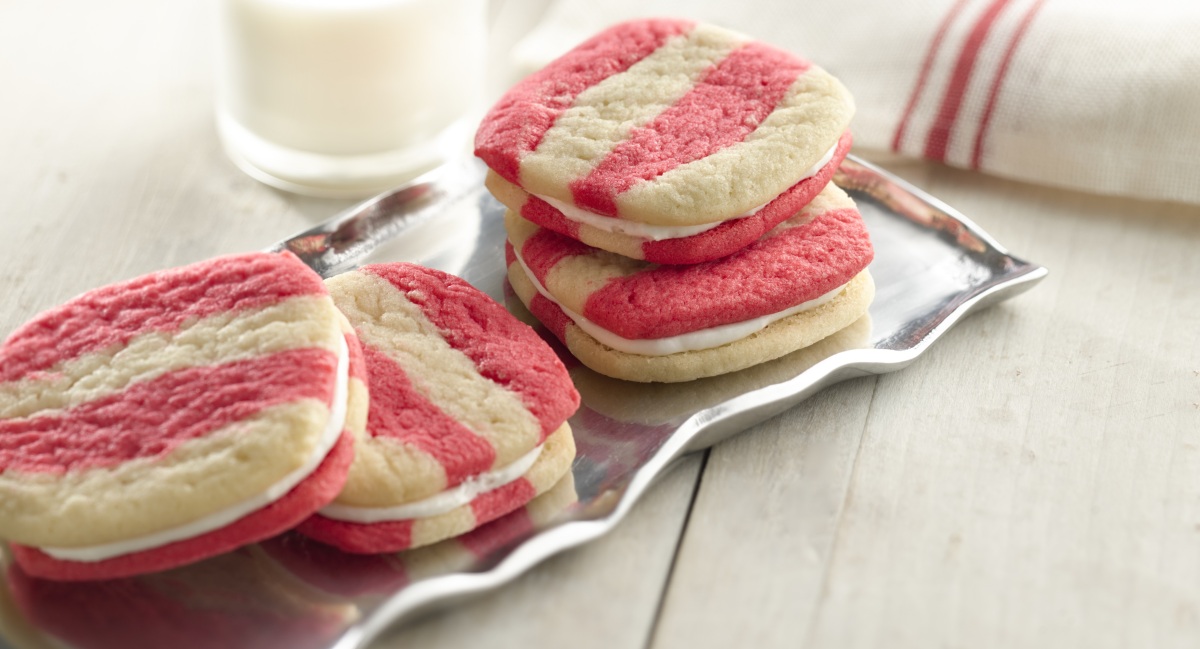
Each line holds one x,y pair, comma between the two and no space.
399,411
502,500
151,418
503,349
938,140
728,104
733,235
516,124
314,492
545,248
793,266
359,538
550,315
162,301
546,215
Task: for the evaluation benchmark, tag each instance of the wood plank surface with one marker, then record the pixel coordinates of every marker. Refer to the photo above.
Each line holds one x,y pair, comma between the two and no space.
1033,481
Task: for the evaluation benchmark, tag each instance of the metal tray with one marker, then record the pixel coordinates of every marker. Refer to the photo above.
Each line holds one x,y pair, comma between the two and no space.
932,267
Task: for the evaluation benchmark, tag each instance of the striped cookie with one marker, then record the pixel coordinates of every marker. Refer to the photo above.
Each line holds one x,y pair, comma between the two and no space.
353,575
665,128
172,417
628,319
723,239
467,414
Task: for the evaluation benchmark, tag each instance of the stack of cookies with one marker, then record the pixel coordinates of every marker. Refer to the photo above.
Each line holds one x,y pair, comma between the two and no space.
670,212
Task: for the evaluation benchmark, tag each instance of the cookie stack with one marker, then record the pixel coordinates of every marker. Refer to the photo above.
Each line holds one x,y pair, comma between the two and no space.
670,212
173,417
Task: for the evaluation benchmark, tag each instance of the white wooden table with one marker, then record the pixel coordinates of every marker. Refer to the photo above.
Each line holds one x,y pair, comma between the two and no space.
1034,480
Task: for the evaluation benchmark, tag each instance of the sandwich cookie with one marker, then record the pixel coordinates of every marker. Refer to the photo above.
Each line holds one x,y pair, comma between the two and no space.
666,246
467,419
172,417
331,571
667,140
632,320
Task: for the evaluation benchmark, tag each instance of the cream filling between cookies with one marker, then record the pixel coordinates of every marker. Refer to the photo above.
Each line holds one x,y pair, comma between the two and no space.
660,232
439,503
329,437
688,342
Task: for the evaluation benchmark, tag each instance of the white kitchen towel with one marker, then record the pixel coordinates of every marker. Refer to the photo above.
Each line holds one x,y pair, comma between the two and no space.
1096,95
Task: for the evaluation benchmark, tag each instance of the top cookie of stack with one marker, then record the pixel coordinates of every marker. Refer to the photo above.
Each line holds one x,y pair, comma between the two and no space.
667,140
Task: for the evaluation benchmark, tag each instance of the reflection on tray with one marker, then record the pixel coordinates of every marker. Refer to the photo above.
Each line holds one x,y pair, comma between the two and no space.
289,591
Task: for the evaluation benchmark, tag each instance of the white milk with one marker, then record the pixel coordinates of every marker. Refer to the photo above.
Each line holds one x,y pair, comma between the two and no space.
348,96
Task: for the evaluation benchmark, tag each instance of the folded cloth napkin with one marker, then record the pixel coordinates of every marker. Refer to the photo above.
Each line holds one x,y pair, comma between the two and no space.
1097,95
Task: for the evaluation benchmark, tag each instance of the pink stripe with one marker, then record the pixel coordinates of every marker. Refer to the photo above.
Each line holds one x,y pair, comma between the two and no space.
727,105
778,272
923,76
998,81
152,418
162,301
938,139
504,350
516,125
546,215
398,411
502,500
542,251
550,315
359,538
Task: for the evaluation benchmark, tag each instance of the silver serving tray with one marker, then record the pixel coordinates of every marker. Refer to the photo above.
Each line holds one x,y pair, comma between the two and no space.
932,267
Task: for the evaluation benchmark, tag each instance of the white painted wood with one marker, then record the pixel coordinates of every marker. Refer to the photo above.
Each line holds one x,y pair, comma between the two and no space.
750,568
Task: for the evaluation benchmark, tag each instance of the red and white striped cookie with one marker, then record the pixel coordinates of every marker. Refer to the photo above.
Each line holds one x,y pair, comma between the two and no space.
468,412
726,238
355,575
632,320
172,417
664,129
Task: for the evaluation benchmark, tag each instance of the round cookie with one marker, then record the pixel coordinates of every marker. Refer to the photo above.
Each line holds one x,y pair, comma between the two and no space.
632,320
172,417
723,239
666,123
468,412
354,575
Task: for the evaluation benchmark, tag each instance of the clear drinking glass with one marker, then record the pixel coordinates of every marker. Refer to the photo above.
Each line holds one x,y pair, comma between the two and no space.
348,97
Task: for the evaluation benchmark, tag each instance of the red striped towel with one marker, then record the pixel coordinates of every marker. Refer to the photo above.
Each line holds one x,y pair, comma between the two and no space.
1096,96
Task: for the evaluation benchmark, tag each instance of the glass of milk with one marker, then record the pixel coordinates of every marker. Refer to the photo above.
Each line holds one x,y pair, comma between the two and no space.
348,97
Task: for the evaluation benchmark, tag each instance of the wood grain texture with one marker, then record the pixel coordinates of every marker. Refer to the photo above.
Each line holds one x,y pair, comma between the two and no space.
1029,482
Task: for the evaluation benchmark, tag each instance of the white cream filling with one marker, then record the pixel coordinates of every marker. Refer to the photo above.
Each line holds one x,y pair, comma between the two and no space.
690,341
439,503
659,232
217,520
